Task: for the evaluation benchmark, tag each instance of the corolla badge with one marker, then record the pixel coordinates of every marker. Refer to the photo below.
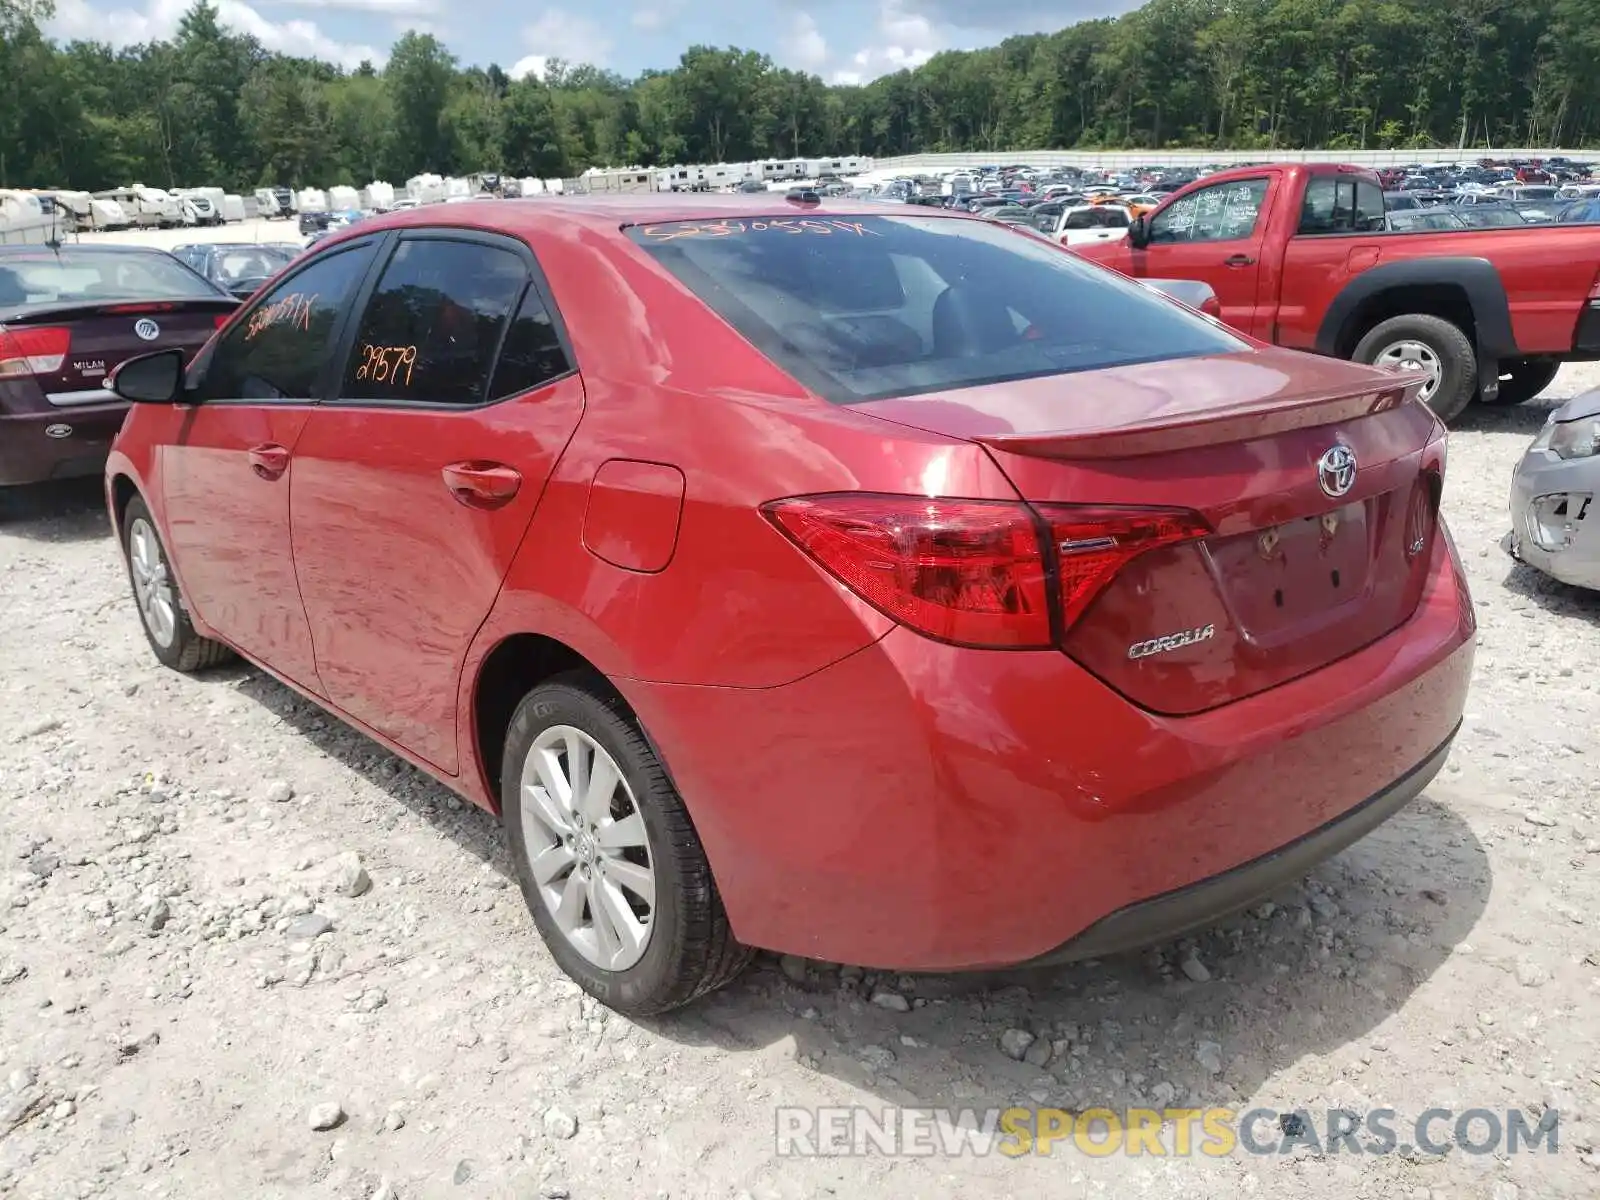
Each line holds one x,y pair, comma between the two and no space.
1172,641
58,431
1336,470
146,330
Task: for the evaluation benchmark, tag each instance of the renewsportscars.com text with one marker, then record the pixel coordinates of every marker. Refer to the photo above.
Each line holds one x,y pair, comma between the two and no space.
1167,1132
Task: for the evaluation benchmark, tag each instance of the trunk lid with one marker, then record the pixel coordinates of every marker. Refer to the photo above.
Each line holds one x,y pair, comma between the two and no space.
99,336
1292,575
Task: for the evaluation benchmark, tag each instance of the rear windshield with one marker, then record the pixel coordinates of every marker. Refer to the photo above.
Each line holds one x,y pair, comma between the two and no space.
867,307
251,262
78,275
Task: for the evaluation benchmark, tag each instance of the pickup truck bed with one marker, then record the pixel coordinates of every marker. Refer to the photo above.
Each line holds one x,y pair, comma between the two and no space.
1297,256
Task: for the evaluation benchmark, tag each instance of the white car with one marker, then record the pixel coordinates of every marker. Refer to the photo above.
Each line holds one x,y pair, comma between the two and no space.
1084,223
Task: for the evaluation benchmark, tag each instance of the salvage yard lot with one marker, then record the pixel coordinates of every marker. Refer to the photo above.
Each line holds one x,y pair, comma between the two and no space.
163,1031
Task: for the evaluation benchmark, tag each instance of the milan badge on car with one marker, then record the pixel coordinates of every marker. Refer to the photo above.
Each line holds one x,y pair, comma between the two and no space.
146,329
1336,470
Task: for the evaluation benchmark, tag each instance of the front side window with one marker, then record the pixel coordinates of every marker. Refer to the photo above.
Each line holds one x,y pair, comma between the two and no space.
1219,213
280,350
863,307
434,324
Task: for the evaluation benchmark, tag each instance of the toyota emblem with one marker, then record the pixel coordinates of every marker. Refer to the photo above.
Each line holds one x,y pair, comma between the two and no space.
1336,470
146,329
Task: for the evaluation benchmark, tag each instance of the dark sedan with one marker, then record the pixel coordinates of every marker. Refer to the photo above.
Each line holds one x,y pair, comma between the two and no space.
239,268
67,317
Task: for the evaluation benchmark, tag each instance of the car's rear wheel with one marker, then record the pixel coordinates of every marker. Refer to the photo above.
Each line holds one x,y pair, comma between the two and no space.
155,592
609,863
1433,345
1523,379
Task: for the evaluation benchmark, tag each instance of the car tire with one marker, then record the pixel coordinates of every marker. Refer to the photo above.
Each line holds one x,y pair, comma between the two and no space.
1524,379
605,853
162,613
1440,346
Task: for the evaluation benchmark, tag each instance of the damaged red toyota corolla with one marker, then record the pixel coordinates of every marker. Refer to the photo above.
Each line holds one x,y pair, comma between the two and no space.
877,586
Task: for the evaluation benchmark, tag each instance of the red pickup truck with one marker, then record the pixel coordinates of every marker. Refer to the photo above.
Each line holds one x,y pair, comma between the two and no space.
1299,254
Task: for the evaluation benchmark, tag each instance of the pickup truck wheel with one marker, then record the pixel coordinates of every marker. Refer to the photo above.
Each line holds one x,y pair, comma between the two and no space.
1420,341
1525,378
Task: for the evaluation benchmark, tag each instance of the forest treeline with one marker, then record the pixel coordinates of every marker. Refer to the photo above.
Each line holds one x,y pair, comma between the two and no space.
212,106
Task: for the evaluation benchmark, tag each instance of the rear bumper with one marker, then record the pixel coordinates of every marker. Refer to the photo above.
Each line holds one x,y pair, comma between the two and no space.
61,443
1184,909
923,807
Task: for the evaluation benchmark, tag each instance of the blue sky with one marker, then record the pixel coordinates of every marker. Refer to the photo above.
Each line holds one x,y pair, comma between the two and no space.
844,41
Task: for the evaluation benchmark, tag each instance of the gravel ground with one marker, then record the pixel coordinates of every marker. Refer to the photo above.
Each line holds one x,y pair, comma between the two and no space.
173,1023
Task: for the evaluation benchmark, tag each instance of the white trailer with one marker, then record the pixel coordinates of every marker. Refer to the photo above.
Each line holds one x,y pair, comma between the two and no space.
426,188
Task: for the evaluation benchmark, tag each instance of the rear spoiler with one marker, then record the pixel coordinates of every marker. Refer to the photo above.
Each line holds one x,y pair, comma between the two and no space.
1241,422
39,314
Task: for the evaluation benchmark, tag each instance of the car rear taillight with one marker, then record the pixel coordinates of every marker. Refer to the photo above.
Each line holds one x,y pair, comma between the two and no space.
975,572
222,319
33,350
1094,543
970,572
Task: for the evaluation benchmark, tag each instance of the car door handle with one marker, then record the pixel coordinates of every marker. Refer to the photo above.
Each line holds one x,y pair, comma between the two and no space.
482,484
1239,260
269,461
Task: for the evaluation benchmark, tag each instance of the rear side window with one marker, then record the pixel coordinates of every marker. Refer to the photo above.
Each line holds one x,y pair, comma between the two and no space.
532,354
434,324
865,307
281,348
1342,204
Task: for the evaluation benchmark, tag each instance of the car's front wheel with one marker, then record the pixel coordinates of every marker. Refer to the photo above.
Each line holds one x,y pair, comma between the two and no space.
609,863
155,591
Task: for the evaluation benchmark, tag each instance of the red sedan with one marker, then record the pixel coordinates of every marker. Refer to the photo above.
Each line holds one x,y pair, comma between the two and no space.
877,585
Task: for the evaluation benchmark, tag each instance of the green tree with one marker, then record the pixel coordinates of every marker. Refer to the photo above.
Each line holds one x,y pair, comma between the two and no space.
420,75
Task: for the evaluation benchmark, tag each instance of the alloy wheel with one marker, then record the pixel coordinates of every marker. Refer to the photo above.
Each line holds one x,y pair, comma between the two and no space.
587,847
152,584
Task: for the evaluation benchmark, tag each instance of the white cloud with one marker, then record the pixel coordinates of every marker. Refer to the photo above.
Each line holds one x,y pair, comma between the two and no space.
649,19
806,48
904,40
390,8
559,34
158,20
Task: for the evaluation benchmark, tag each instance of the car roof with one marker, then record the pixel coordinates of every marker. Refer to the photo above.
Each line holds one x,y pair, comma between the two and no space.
609,213
37,248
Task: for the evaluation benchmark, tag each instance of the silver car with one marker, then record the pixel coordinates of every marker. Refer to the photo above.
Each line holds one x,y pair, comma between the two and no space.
1555,522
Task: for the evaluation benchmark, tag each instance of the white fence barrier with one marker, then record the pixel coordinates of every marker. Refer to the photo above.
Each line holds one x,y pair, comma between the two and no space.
913,163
